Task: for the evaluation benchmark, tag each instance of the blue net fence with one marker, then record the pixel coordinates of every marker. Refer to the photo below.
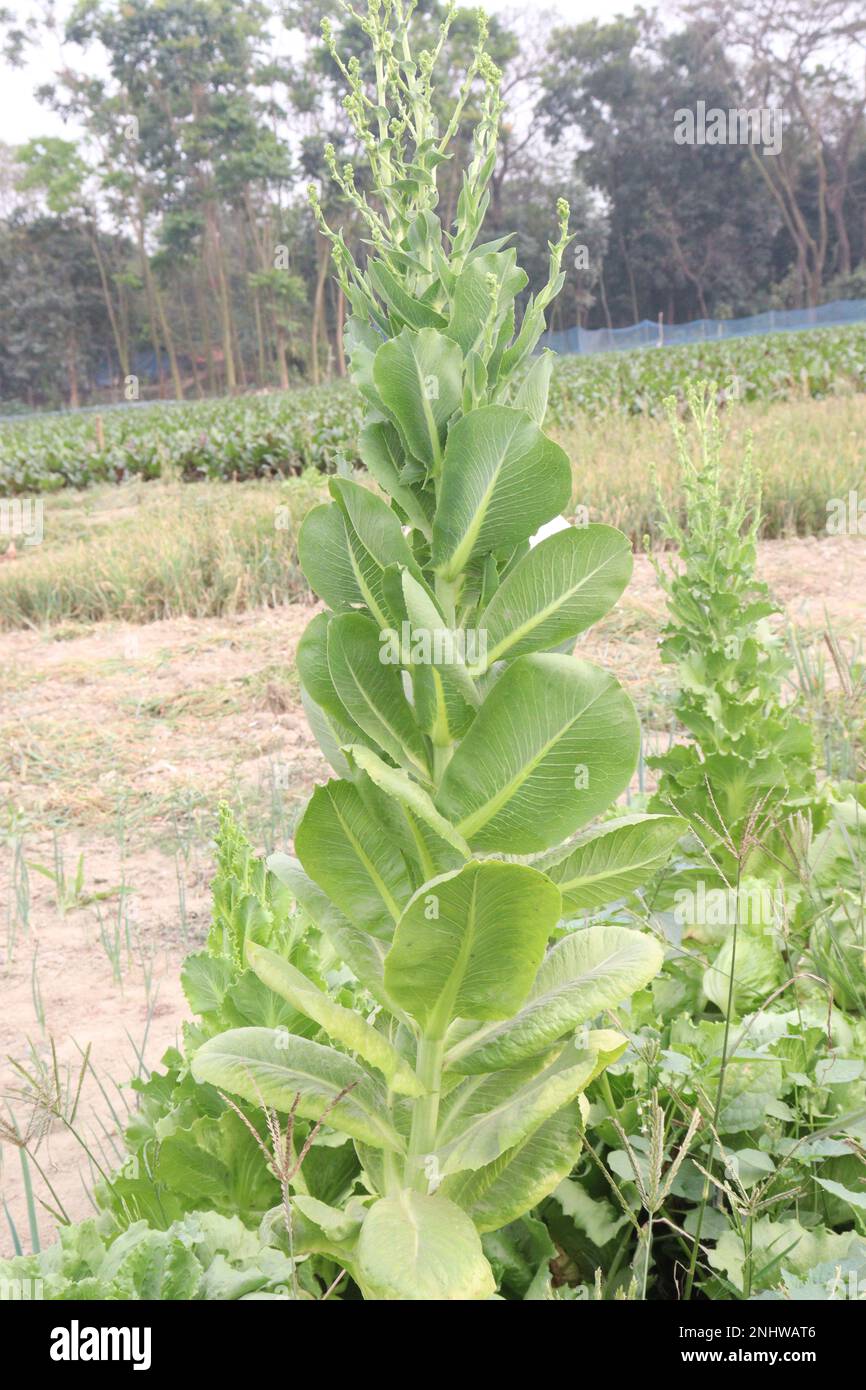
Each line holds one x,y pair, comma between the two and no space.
650,334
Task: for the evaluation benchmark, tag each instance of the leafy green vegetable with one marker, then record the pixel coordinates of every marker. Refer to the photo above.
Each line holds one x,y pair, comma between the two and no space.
202,1256
450,751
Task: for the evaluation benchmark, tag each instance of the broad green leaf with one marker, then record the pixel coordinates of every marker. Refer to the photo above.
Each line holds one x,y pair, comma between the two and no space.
434,855
415,1248
322,1228
397,783
442,712
406,306
331,734
488,1115
522,1176
501,479
271,1067
364,954
216,1161
250,1004
312,662
445,694
344,1026
419,376
448,648
381,451
521,1255
534,390
559,589
838,1189
554,743
474,383
323,550
506,333
751,1086
470,942
205,980
599,1219
779,1245
371,690
585,973
398,809
374,541
473,305
613,859
532,327
362,341
350,854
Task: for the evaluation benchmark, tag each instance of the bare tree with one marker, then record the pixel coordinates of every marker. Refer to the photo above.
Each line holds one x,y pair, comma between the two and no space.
807,58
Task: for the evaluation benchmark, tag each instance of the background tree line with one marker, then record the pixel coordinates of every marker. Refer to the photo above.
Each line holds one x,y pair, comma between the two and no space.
174,242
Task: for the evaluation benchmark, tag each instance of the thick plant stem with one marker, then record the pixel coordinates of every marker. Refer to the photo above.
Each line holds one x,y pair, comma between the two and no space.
705,1195
425,1116
441,759
446,595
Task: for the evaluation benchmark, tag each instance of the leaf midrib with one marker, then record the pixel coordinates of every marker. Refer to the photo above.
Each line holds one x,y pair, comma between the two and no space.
535,620
462,552
502,1028
276,1071
400,748
374,875
478,819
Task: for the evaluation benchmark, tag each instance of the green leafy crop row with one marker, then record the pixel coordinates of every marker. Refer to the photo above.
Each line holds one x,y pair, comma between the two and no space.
283,433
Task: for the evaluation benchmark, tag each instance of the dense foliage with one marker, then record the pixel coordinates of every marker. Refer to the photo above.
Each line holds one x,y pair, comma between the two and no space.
166,237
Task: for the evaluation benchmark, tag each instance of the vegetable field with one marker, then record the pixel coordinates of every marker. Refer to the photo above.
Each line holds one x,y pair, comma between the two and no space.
281,434
539,983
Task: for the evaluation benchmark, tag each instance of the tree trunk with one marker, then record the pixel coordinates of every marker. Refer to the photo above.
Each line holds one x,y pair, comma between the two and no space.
72,371
151,308
836,202
204,320
188,334
225,312
119,341
631,284
168,337
260,339
282,364
341,319
604,303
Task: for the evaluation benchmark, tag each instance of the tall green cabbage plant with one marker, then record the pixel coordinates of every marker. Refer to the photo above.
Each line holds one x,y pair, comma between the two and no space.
748,768
468,745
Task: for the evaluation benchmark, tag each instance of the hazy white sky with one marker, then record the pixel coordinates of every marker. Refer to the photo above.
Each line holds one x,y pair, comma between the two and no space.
22,117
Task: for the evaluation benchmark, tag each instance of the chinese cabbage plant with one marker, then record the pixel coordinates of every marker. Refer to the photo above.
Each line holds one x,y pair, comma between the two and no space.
468,743
750,760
